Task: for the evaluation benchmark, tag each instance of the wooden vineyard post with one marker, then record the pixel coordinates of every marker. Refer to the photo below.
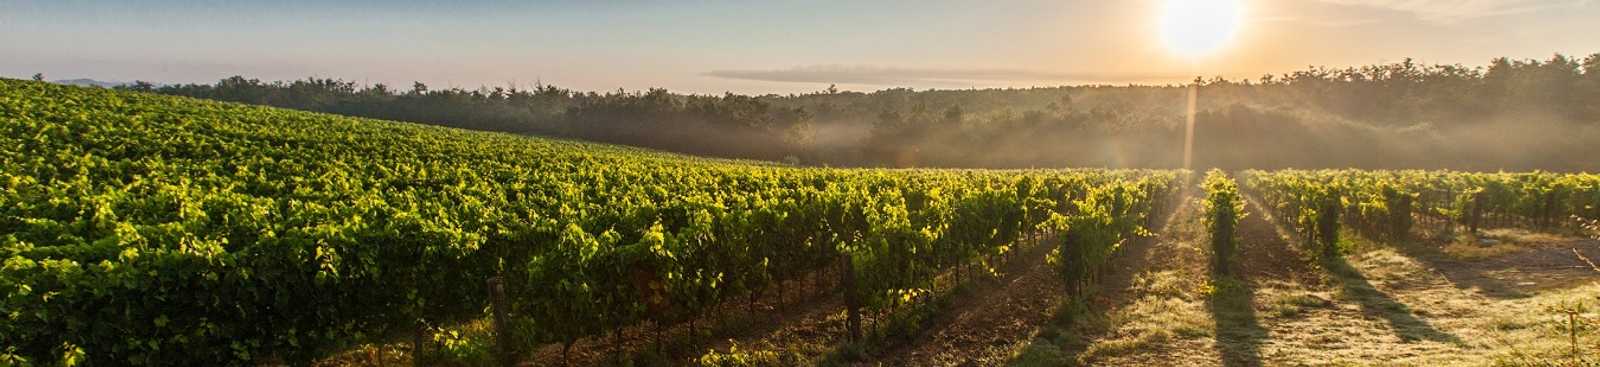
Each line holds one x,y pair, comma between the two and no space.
851,302
416,345
1476,214
1400,217
502,340
1069,259
1453,221
1548,216
1328,225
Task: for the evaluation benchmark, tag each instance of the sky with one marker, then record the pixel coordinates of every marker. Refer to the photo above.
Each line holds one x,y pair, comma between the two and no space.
750,47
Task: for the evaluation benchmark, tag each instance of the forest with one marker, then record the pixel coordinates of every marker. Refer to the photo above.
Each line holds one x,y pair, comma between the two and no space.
1506,115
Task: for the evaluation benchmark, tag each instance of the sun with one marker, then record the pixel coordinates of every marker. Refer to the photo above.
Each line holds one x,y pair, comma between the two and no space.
1197,28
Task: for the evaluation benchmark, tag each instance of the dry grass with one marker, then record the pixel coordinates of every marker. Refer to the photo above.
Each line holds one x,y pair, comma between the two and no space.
1497,242
1419,304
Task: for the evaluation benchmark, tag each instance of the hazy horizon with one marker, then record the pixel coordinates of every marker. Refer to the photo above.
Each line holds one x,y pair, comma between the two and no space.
758,48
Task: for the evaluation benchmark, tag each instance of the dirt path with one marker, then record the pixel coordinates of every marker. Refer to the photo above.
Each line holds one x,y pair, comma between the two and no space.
807,308
1408,303
805,335
1163,252
1392,304
984,325
993,323
816,335
1147,312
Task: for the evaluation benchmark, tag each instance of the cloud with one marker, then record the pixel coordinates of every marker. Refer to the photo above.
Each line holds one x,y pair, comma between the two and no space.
876,75
1451,11
1319,22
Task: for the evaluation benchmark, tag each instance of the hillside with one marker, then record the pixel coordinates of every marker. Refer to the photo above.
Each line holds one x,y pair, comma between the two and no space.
477,183
143,228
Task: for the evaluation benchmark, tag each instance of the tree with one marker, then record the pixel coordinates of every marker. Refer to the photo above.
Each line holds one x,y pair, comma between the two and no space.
38,77
1391,109
954,115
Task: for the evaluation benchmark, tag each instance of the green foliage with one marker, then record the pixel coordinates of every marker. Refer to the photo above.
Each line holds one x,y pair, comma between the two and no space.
737,358
142,229
459,348
1386,204
1223,210
1397,205
1307,202
1096,225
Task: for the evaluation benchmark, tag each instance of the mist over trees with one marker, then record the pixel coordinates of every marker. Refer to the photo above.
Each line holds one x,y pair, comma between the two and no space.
1510,114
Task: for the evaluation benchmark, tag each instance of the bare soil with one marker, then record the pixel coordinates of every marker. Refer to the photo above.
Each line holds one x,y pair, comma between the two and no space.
1427,301
984,326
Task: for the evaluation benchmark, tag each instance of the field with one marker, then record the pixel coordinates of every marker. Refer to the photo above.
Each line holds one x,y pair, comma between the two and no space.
140,229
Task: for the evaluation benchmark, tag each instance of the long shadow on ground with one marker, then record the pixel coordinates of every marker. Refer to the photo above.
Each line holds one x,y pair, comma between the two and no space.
1232,302
1401,319
1239,335
1352,283
1457,272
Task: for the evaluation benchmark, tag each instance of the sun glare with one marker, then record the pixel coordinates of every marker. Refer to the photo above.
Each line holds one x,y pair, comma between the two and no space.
1196,28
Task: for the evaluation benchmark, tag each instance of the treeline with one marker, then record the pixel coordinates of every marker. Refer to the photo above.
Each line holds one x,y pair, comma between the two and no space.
1509,114
729,126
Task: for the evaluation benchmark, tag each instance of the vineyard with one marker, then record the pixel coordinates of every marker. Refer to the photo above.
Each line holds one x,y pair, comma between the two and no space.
143,229
1387,204
140,229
